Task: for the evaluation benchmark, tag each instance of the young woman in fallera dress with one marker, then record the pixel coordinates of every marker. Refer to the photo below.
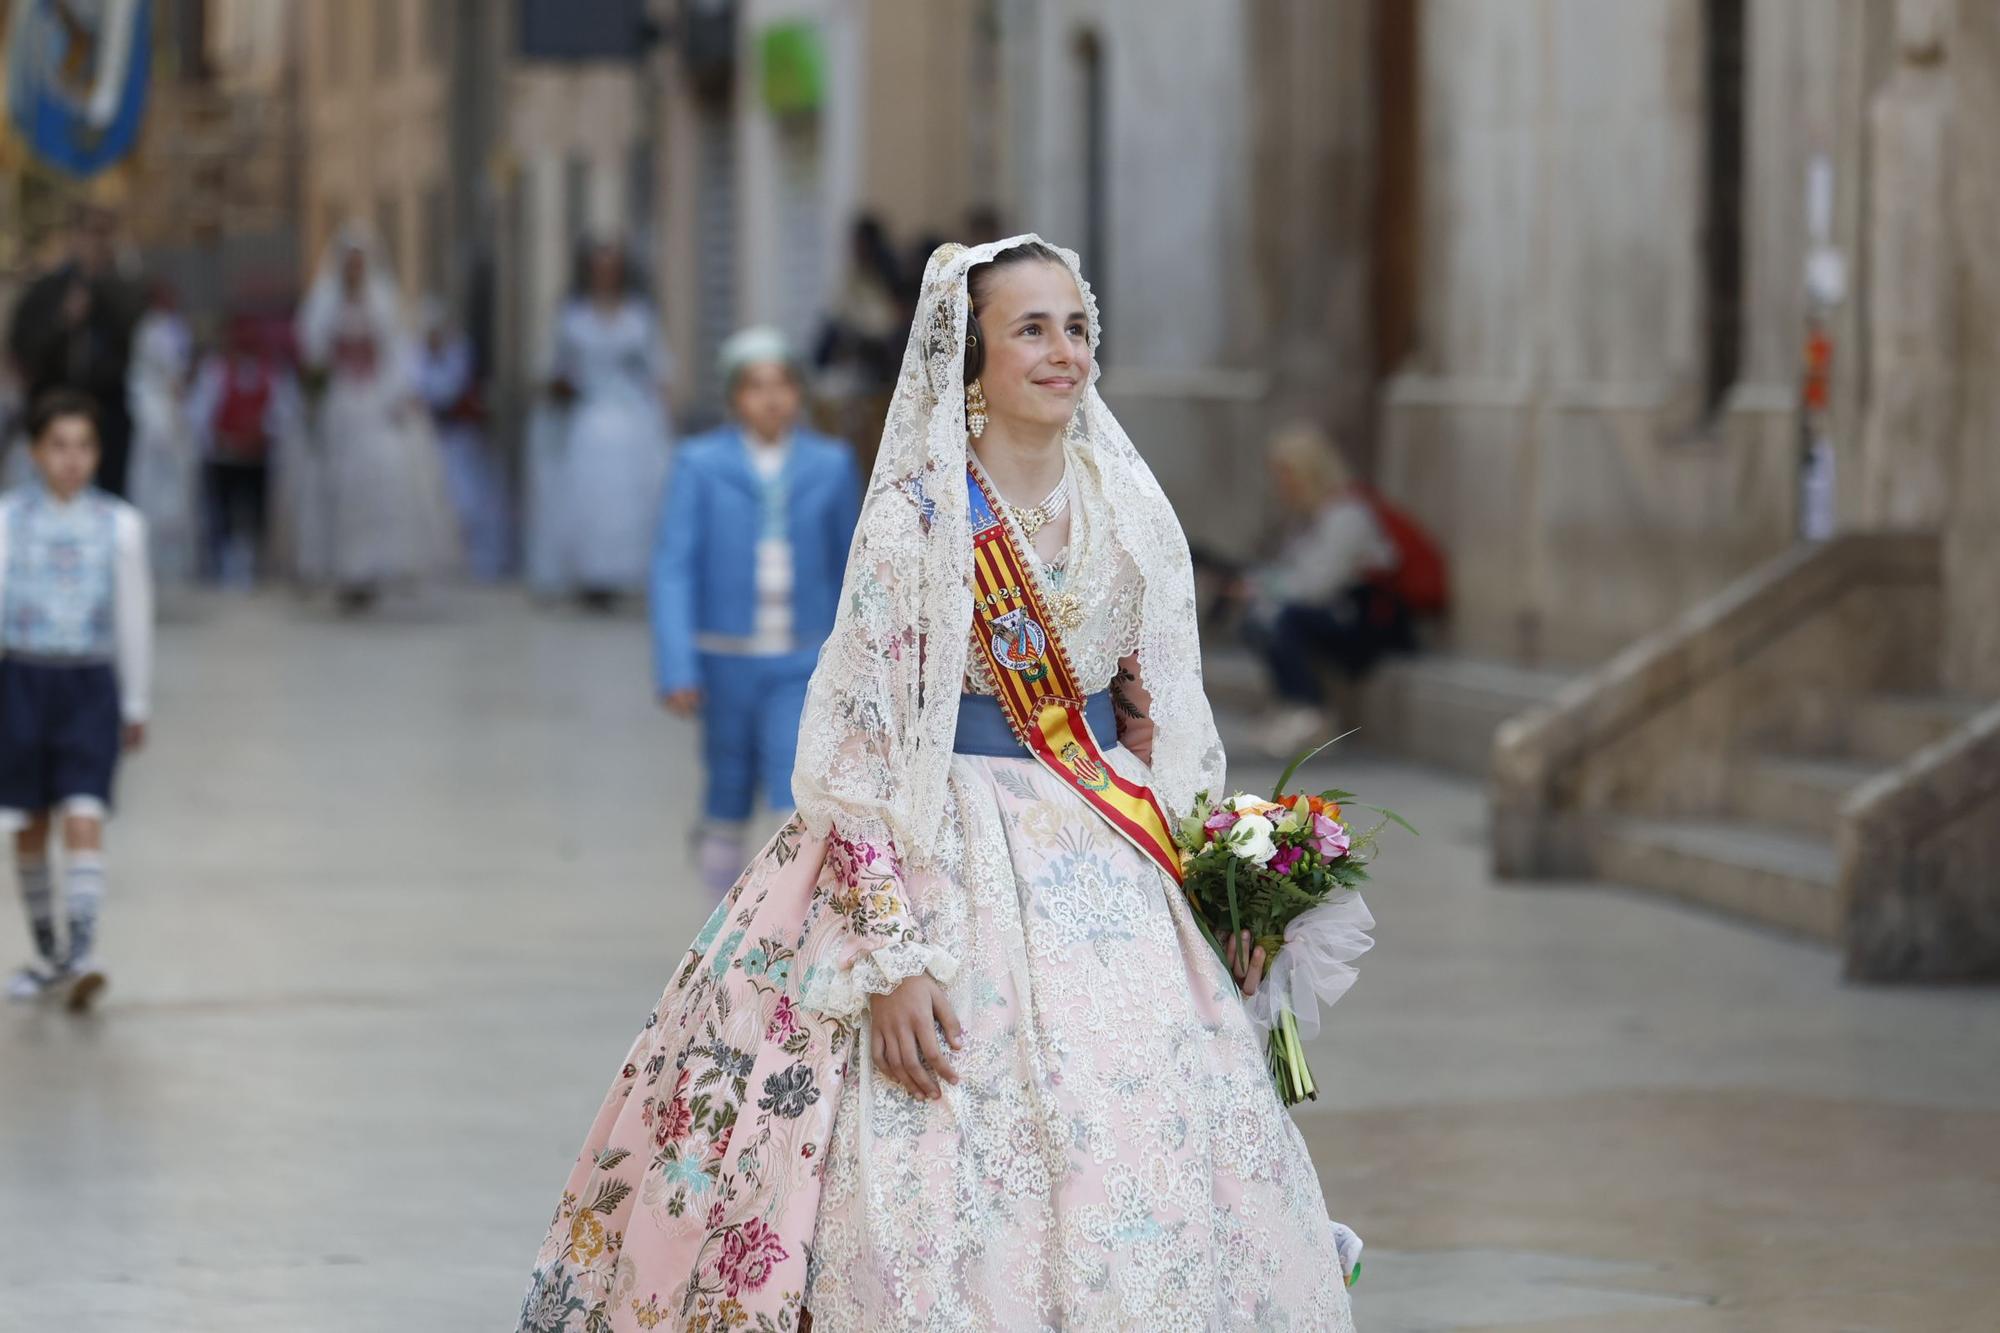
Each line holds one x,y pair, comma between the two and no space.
952,1054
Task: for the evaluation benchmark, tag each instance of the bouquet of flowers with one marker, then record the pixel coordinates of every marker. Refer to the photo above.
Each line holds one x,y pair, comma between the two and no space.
1288,871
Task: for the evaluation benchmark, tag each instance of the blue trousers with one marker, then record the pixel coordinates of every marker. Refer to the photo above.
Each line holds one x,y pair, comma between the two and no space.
1361,627
750,728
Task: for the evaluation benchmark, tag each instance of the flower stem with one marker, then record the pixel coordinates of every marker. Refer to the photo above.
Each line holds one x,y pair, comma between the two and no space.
1288,1060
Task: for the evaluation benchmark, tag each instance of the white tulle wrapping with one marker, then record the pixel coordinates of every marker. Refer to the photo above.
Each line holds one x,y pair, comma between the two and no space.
1316,966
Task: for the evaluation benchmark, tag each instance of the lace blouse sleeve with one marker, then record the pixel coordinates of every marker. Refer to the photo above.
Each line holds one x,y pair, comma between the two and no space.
851,787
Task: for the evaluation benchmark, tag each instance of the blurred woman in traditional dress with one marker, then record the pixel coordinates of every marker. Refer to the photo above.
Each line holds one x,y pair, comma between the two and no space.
383,490
605,462
164,469
448,380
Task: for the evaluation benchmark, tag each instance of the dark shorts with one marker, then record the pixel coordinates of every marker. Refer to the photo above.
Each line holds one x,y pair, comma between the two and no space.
60,731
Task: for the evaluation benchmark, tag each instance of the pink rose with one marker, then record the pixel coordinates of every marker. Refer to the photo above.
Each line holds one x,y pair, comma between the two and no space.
1221,822
1329,839
749,1253
848,860
1287,857
676,1120
784,1020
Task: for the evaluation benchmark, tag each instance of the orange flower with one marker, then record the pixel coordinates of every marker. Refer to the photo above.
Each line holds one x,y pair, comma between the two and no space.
1313,804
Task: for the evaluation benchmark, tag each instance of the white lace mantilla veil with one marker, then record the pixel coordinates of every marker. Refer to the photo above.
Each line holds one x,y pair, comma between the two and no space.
875,741
326,297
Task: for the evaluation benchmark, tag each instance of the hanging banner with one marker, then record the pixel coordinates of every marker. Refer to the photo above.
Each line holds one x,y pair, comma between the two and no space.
76,79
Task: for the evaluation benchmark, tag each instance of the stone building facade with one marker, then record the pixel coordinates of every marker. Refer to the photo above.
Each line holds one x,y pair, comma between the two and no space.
1540,263
1817,746
375,79
1928,457
1597,406
213,191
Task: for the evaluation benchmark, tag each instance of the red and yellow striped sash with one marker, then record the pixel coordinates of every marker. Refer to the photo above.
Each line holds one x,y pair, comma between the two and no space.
1038,690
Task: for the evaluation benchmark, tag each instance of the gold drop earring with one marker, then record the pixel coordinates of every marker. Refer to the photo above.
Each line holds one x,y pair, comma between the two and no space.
975,409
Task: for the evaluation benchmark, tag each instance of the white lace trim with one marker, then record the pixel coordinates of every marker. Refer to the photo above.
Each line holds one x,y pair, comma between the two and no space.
843,992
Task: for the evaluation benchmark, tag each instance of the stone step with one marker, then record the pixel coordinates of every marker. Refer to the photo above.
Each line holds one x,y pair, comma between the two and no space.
1433,708
1798,793
1442,710
1889,728
1768,875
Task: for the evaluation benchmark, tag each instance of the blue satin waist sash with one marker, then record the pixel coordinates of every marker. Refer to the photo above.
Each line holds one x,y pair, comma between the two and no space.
983,729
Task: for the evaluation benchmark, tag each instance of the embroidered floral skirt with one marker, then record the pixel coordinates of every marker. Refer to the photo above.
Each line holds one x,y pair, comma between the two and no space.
1113,1156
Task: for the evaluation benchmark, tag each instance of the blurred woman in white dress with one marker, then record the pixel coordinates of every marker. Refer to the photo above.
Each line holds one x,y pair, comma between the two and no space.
605,459
164,467
448,381
383,489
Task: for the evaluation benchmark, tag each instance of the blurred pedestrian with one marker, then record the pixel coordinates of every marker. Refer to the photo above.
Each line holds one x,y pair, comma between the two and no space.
600,480
165,468
1329,599
860,348
72,329
389,519
746,579
238,396
76,627
448,381
297,522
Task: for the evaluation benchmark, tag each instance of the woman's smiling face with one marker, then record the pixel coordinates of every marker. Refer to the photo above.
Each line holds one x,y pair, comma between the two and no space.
1037,337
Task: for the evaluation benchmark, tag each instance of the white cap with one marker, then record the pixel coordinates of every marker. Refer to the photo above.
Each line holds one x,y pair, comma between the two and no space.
760,345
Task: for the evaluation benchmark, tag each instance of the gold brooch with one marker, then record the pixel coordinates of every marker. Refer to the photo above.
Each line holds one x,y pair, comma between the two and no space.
1066,609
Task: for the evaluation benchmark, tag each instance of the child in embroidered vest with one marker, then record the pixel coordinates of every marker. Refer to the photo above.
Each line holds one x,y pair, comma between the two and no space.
76,627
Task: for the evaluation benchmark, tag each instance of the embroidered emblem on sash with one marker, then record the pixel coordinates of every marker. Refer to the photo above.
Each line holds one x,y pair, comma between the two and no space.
1021,644
1088,771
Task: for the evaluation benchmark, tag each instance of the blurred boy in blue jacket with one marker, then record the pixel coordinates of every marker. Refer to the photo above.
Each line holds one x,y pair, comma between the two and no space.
746,575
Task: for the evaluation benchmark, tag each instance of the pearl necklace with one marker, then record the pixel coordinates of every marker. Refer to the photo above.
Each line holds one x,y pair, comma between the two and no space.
1033,518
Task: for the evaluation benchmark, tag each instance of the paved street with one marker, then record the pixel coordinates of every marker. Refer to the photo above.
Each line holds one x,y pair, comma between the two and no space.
390,899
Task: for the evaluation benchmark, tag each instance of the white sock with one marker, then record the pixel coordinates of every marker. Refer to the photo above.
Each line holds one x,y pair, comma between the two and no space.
39,897
83,894
721,855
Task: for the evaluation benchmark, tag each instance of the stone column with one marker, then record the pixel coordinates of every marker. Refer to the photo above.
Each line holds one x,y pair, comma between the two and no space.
1913,344
1314,141
1972,525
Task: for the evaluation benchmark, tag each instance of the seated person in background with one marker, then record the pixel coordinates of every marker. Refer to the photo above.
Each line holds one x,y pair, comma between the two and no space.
1329,599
